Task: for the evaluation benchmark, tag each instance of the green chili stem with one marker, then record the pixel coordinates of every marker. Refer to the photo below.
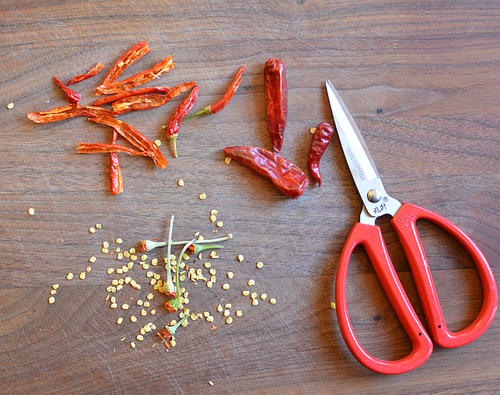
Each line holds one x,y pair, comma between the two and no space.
205,111
151,244
170,285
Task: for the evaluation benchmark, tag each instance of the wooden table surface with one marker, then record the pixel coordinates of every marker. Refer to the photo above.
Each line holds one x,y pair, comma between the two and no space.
422,80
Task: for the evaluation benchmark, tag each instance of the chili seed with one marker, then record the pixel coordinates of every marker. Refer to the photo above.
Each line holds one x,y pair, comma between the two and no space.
146,304
10,106
104,250
259,265
82,276
172,341
220,308
149,296
131,250
227,160
230,275
154,262
229,320
238,313
98,226
251,282
126,254
132,344
225,286
143,312
185,323
255,302
113,305
210,319
253,295
140,338
152,312
88,269
213,218
113,299
263,296
332,305
52,300
92,230
144,257
240,258
219,224
226,313
110,270
202,196
207,265
210,284
312,130
125,306
212,271
133,318
245,293
212,384
119,320
272,301
118,241
157,143
180,182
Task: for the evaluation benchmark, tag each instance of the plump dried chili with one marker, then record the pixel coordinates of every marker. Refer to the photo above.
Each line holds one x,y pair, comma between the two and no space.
115,171
150,100
91,73
180,112
276,100
320,140
138,79
132,55
71,95
69,111
287,177
136,138
216,107
122,95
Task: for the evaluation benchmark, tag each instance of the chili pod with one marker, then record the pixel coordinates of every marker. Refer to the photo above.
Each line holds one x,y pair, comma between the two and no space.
320,140
180,112
287,177
276,100
115,172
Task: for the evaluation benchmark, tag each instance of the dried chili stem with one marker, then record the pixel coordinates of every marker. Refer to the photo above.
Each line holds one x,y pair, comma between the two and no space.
169,288
173,304
148,245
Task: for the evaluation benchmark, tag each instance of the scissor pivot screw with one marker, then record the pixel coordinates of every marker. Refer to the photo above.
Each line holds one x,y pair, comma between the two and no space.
374,195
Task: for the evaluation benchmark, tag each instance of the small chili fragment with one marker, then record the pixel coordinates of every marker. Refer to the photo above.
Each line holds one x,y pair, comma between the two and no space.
91,73
287,177
122,95
115,172
136,138
138,79
216,107
175,121
150,100
133,54
320,140
71,95
276,100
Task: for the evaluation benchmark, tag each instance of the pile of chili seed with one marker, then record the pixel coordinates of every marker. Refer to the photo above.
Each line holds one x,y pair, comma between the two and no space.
131,269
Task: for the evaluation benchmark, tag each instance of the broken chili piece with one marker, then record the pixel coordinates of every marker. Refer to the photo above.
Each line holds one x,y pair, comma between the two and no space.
180,112
69,111
287,177
276,100
91,73
320,140
122,95
150,100
132,55
71,95
115,172
138,79
216,107
136,138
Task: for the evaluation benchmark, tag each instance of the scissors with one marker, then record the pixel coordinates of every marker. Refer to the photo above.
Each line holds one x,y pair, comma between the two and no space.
376,202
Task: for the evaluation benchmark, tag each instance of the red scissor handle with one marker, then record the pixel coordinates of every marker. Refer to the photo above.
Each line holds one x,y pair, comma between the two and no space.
404,223
370,237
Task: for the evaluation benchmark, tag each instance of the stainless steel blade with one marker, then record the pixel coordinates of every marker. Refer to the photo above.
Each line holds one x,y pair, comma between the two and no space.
371,189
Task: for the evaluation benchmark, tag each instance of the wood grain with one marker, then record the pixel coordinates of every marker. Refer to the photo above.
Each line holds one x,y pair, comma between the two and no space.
421,79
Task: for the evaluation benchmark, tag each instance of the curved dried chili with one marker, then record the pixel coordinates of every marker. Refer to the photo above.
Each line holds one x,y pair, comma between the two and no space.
82,77
69,111
290,180
132,55
320,140
180,112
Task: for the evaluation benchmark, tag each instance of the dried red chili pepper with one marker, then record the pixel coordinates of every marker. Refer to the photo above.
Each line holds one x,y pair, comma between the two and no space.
132,55
71,95
180,112
150,100
69,111
288,178
320,140
216,107
276,100
136,138
115,172
122,95
100,148
138,79
91,73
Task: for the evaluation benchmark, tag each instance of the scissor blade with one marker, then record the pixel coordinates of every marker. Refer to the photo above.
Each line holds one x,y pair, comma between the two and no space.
375,199
355,150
